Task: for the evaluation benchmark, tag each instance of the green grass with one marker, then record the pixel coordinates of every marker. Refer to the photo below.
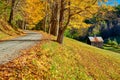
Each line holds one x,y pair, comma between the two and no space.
72,60
111,48
63,64
78,61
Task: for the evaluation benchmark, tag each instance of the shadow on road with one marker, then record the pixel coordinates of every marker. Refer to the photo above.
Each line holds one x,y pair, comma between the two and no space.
19,40
27,40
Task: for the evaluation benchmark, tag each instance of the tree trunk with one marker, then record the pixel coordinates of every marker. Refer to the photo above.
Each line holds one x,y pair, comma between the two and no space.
60,36
62,26
49,29
61,30
44,24
53,28
11,17
11,13
54,19
23,25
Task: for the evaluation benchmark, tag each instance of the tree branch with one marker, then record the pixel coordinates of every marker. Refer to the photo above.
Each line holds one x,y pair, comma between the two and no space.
83,10
68,20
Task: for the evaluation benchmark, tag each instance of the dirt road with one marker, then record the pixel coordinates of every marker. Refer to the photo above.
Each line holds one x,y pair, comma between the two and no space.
10,49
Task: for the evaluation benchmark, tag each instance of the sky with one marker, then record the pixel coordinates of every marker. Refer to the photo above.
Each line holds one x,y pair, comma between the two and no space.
113,2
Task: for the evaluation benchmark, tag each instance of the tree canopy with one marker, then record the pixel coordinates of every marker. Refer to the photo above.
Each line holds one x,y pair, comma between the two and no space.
55,15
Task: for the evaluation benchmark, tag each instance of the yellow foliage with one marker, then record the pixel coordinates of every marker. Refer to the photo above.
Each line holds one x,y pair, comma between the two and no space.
77,21
86,7
34,11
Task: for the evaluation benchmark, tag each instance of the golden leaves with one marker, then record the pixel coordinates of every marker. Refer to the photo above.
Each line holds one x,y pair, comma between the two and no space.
34,10
33,64
86,9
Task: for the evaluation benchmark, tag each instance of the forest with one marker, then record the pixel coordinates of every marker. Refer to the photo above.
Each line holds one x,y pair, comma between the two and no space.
51,16
47,39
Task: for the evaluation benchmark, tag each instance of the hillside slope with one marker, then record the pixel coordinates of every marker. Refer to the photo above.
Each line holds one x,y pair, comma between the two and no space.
6,31
73,60
78,61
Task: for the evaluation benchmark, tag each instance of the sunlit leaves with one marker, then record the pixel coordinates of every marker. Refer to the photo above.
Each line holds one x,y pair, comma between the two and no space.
82,9
34,10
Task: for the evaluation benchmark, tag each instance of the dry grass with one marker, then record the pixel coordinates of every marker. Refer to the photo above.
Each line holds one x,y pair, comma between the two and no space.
7,32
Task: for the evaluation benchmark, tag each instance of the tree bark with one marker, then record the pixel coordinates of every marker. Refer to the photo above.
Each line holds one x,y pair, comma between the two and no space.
64,21
12,12
49,28
23,25
60,37
54,19
62,26
44,23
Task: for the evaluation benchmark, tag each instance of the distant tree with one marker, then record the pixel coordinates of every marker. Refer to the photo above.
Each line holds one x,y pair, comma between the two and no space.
116,30
118,10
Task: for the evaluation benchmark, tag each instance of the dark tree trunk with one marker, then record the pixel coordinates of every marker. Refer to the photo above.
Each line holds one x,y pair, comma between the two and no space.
11,13
60,36
61,31
49,29
44,24
62,26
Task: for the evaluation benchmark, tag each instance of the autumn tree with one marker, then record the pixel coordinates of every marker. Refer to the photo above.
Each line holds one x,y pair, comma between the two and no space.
68,9
13,4
11,12
55,9
2,6
12,8
33,11
63,11
51,19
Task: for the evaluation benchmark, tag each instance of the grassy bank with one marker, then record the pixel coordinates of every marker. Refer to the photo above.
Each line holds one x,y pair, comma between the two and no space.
112,48
73,60
7,32
77,61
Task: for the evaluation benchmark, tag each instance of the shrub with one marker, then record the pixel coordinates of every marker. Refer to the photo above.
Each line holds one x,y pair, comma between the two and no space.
109,41
112,43
72,33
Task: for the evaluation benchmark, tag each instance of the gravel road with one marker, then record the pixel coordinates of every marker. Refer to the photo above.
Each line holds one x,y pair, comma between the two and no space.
10,49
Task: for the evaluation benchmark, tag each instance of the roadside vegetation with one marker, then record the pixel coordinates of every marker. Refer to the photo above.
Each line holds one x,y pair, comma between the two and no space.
49,60
112,45
56,57
7,32
111,48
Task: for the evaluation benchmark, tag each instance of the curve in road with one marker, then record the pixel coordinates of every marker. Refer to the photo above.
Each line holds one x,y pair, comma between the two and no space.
10,49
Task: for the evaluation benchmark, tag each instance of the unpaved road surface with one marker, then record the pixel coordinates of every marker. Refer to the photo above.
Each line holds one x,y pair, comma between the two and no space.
10,49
